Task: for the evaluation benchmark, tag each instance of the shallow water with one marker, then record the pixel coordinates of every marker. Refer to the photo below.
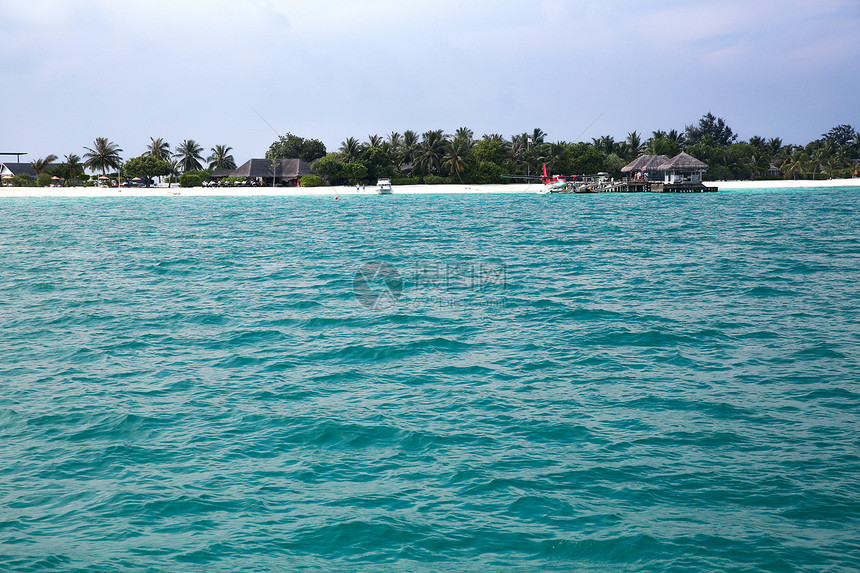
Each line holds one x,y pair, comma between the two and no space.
469,382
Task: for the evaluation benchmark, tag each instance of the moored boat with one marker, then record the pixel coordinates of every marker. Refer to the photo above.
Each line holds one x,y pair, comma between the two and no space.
383,187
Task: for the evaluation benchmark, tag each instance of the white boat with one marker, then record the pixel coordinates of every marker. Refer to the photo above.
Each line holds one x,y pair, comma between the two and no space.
383,187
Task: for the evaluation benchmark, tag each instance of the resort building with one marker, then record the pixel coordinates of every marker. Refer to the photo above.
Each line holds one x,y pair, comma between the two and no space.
682,168
646,167
286,172
682,173
10,170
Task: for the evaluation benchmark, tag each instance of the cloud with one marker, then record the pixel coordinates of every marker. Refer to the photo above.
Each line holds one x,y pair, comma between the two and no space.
333,69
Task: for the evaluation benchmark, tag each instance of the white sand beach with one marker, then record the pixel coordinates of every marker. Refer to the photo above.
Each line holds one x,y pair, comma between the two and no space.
257,191
787,184
164,191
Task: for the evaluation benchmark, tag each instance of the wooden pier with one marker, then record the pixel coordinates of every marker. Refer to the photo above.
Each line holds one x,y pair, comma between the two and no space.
652,187
681,188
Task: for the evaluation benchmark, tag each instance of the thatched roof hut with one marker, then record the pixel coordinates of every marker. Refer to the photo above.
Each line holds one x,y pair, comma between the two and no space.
682,168
219,173
683,162
254,168
285,170
295,168
645,163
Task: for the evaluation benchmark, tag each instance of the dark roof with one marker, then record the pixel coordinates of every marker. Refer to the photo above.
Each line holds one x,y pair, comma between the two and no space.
19,168
284,169
222,173
645,163
683,162
253,168
293,168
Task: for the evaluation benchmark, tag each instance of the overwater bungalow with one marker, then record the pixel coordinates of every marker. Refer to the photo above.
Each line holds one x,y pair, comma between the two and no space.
659,174
645,167
683,168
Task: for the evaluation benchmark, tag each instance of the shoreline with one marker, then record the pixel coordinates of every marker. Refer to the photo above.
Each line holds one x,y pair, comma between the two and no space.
519,188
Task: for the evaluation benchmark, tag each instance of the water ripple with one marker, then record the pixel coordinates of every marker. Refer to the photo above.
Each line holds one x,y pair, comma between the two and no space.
595,383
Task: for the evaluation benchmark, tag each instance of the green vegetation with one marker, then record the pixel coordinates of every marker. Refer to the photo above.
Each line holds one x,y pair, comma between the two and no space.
436,157
101,155
189,156
311,181
221,158
292,146
146,167
72,170
340,172
193,178
40,165
23,180
159,149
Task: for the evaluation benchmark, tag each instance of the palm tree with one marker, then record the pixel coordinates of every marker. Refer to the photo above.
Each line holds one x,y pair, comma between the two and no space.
537,136
221,158
174,170
634,143
834,162
818,157
350,149
464,133
757,141
774,144
395,140
656,145
393,148
72,168
409,147
39,165
553,153
785,152
101,155
676,137
456,159
494,137
794,164
159,149
519,146
606,144
432,150
374,141
758,163
189,156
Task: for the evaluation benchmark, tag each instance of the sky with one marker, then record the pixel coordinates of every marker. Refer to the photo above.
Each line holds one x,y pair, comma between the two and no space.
241,72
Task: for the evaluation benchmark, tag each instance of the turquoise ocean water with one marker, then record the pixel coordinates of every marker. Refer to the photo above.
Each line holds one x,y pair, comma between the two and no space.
409,383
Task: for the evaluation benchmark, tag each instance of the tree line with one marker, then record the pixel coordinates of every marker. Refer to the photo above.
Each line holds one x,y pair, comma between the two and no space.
436,157
460,157
157,161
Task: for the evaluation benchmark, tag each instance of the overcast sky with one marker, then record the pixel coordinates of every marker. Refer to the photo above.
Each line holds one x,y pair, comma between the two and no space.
74,70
